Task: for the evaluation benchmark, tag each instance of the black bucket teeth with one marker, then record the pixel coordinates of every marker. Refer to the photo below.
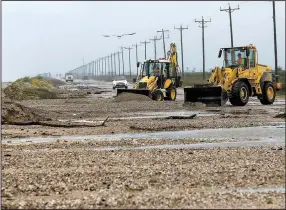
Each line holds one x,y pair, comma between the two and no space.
205,94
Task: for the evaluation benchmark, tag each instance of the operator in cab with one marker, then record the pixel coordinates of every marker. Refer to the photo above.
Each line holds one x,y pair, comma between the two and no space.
240,60
156,71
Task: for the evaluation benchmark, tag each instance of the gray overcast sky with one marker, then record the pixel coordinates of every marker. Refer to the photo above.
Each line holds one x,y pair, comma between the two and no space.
55,36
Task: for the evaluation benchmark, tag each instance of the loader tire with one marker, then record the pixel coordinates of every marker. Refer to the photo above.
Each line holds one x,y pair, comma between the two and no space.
171,94
239,94
268,94
158,95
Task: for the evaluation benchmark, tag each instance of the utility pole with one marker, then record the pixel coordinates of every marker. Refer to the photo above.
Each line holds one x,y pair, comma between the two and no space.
122,60
275,40
163,36
101,67
93,68
114,64
155,48
203,40
230,10
108,65
105,66
145,44
118,53
129,48
98,71
136,47
182,52
111,65
95,73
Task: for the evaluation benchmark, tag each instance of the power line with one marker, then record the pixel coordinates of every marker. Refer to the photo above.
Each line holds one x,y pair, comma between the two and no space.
243,2
230,10
155,40
203,40
163,37
182,52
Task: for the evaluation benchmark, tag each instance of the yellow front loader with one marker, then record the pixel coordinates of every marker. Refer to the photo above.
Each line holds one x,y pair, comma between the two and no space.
240,77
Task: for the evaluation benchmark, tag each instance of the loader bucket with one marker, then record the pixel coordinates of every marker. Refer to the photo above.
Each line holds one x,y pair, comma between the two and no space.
136,91
209,95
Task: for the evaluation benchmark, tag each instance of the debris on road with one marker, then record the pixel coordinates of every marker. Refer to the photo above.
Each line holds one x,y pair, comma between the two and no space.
13,112
73,175
281,115
195,105
181,117
16,114
131,97
176,117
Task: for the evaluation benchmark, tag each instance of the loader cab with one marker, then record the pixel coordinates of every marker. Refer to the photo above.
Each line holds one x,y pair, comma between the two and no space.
245,57
157,68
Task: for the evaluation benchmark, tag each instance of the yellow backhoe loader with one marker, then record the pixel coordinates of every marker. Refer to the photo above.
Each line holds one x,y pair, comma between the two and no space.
159,78
240,77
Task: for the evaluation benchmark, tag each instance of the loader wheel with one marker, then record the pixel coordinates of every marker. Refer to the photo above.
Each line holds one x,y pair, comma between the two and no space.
239,94
268,94
158,95
172,94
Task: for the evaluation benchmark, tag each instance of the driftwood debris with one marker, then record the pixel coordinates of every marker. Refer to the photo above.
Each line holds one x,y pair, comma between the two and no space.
176,117
181,117
51,124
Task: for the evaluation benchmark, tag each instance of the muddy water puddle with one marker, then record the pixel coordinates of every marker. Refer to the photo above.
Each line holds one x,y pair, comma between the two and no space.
264,135
158,115
147,115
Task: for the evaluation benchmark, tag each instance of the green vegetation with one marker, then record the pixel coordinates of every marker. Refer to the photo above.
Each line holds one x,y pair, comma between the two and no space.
30,88
195,78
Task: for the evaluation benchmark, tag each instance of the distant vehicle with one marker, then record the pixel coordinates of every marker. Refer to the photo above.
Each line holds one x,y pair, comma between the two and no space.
69,78
120,82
